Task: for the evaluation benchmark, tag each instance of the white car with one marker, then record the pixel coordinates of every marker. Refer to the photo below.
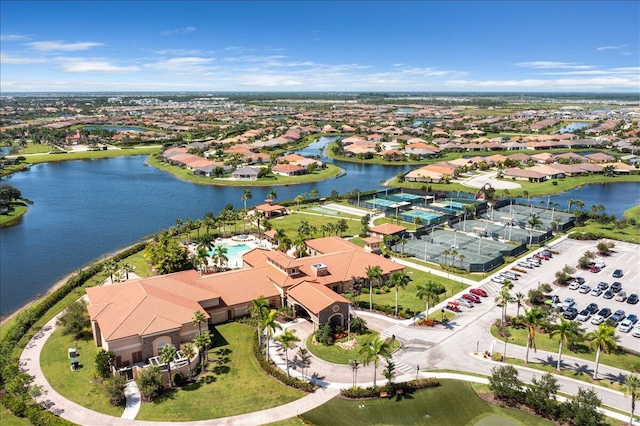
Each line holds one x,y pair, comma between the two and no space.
525,265
636,331
625,326
498,279
574,286
583,315
596,292
597,319
600,264
584,289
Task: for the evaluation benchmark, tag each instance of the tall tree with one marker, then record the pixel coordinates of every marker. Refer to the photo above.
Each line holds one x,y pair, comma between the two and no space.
631,389
246,195
603,339
198,319
399,280
110,267
189,351
429,292
270,325
167,355
533,318
374,273
258,310
202,342
567,332
372,353
354,364
305,360
288,341
272,194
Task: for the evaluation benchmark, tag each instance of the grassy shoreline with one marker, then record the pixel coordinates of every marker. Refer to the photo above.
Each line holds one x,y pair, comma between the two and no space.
15,215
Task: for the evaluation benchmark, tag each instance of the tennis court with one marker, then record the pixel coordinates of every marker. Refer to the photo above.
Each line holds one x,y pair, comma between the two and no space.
521,214
470,251
322,210
503,231
426,217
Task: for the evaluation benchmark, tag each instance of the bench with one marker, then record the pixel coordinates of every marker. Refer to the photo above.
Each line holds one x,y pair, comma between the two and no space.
399,392
383,394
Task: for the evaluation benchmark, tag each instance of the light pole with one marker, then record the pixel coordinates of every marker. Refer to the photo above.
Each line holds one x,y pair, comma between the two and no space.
417,371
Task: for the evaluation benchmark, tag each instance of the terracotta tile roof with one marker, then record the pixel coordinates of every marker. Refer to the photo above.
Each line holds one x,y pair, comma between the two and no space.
269,207
387,229
315,297
241,285
330,244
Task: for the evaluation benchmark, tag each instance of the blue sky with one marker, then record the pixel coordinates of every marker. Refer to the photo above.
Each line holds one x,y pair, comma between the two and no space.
520,46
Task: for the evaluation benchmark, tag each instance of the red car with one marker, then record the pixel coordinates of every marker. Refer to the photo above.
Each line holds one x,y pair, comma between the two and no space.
471,297
594,269
478,292
541,256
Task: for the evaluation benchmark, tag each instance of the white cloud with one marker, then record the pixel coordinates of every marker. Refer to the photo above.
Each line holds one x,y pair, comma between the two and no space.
552,64
184,30
595,83
61,46
82,66
12,37
7,59
611,47
178,52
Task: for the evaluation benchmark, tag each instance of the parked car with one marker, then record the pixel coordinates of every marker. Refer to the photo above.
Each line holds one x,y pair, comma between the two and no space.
478,292
617,317
583,315
632,299
567,303
592,308
608,294
621,296
471,297
600,264
616,286
579,280
602,285
497,279
633,318
524,264
636,331
625,326
547,253
605,312
574,285
597,319
617,273
541,256
584,289
594,269
570,313
596,292
464,302
509,275
534,260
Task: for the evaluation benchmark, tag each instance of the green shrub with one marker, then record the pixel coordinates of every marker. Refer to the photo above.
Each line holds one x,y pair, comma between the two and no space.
496,356
177,379
324,335
278,373
410,386
115,389
359,325
149,381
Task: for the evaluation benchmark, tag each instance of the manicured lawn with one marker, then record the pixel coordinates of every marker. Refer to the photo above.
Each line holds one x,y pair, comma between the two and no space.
338,355
454,403
290,223
627,233
137,261
82,155
8,419
18,208
77,386
633,213
233,384
518,336
185,174
407,296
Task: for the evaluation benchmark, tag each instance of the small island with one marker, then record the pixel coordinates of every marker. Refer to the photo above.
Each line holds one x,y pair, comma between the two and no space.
12,206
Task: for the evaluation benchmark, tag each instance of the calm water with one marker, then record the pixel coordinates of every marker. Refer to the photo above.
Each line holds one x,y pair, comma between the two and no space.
85,209
572,127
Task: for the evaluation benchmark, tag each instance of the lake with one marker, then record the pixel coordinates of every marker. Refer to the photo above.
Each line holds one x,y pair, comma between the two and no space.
85,209
572,127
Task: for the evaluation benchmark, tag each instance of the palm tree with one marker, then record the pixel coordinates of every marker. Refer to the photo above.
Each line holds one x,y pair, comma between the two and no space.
374,273
372,353
461,258
287,339
567,331
189,351
246,195
519,300
269,325
167,355
534,221
272,194
604,340
110,267
453,254
300,245
127,268
355,366
430,293
198,319
314,193
298,199
631,388
389,372
305,360
220,256
258,310
446,253
399,280
532,318
202,342
503,299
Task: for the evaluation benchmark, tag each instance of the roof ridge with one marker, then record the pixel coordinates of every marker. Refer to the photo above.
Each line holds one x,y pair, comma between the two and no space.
131,311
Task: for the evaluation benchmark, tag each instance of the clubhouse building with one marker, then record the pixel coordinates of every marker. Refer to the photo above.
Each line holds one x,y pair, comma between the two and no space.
136,318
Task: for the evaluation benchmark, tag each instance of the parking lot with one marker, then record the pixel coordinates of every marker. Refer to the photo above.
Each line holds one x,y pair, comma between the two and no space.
625,256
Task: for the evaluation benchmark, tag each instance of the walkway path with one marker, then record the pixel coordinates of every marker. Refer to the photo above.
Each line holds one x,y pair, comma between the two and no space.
133,401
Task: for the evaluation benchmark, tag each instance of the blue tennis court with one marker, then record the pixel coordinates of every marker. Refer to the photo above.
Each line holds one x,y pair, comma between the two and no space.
407,197
324,211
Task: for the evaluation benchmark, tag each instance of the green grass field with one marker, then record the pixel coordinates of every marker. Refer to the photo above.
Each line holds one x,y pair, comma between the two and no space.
633,213
628,233
338,355
454,403
290,223
233,384
518,336
83,155
18,208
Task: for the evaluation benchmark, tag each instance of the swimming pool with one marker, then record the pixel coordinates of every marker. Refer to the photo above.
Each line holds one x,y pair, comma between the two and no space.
234,253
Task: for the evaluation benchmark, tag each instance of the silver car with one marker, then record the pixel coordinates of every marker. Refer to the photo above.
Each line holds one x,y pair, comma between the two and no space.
464,302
